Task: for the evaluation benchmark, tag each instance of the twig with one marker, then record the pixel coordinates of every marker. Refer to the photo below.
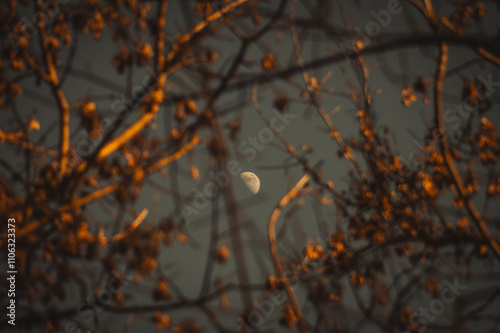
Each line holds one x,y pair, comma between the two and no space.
435,19
195,140
62,103
294,192
132,227
438,118
108,189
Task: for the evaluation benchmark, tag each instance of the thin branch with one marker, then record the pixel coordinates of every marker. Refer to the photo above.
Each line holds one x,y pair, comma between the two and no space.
439,123
132,227
435,19
62,103
76,204
294,192
190,145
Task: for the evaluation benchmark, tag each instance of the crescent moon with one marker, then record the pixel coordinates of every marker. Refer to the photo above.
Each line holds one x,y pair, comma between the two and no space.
251,181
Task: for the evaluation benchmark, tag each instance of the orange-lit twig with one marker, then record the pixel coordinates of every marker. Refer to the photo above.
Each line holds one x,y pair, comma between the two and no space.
175,156
294,192
74,205
91,197
433,17
110,188
53,79
202,25
132,227
128,134
438,106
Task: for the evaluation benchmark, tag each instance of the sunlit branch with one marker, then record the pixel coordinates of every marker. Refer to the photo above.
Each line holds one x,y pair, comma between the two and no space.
184,149
62,103
130,229
439,123
292,193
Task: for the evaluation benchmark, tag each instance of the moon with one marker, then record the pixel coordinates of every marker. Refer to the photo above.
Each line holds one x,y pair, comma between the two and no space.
251,181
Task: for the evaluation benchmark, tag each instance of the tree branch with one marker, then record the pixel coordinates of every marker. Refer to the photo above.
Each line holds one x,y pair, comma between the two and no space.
294,192
439,123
